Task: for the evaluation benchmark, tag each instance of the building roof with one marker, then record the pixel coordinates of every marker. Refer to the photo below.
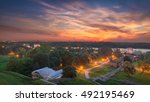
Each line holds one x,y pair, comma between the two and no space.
49,73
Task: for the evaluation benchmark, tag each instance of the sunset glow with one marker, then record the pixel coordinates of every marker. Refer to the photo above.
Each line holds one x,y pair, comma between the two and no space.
75,20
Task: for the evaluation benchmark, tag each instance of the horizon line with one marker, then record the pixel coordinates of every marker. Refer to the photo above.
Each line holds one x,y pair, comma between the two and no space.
75,41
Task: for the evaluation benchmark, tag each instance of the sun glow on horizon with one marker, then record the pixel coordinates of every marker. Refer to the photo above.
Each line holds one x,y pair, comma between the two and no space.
76,21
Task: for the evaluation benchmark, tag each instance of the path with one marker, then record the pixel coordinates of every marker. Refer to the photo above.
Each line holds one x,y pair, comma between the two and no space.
89,69
108,75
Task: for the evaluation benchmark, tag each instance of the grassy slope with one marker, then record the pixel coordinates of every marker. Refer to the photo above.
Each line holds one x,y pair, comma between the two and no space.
12,78
109,82
138,78
76,81
79,80
100,71
3,62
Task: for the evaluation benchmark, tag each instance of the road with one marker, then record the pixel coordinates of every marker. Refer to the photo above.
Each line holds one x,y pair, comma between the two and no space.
89,69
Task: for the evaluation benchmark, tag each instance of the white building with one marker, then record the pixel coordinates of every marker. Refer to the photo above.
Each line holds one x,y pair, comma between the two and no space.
36,45
47,73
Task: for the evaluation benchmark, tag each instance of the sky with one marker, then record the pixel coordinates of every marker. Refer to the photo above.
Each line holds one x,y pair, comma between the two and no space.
75,20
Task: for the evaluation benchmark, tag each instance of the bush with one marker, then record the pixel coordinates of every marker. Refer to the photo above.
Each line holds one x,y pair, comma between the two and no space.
23,65
105,52
69,72
128,68
40,60
144,64
126,58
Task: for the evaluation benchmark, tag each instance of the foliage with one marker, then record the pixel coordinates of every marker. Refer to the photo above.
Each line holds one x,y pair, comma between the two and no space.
40,60
105,52
126,58
3,62
61,56
144,64
81,58
13,78
22,52
147,55
69,72
128,68
23,66
42,49
12,64
117,53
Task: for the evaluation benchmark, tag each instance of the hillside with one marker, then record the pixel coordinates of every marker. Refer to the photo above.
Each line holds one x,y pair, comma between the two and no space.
12,78
3,62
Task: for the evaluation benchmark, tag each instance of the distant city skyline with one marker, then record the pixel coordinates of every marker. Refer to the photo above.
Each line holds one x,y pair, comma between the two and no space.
75,20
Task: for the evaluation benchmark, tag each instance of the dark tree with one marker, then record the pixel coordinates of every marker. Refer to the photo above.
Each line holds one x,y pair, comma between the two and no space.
128,68
117,53
41,60
105,52
43,49
23,66
69,72
126,58
61,56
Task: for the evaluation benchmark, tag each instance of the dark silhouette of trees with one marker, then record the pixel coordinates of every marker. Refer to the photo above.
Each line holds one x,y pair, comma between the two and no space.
117,53
40,60
127,58
42,49
22,52
69,72
128,68
105,52
23,66
61,56
144,65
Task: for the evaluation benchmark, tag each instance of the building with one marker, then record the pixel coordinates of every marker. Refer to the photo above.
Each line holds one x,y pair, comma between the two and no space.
47,73
130,50
36,45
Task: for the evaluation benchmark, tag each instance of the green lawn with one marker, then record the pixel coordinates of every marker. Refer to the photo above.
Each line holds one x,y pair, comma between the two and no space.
139,78
121,78
79,80
3,62
117,60
12,78
109,82
75,81
100,71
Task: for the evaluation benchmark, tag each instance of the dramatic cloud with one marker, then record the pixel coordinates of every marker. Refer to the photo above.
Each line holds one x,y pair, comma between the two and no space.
82,20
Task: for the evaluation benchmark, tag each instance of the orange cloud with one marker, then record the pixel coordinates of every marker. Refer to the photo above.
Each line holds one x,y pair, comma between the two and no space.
78,21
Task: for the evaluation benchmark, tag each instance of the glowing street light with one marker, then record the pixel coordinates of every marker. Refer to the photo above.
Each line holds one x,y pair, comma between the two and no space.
95,63
61,65
80,69
114,57
17,56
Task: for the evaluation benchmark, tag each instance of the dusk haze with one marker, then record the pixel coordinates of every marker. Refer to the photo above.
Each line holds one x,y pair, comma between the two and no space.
75,20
